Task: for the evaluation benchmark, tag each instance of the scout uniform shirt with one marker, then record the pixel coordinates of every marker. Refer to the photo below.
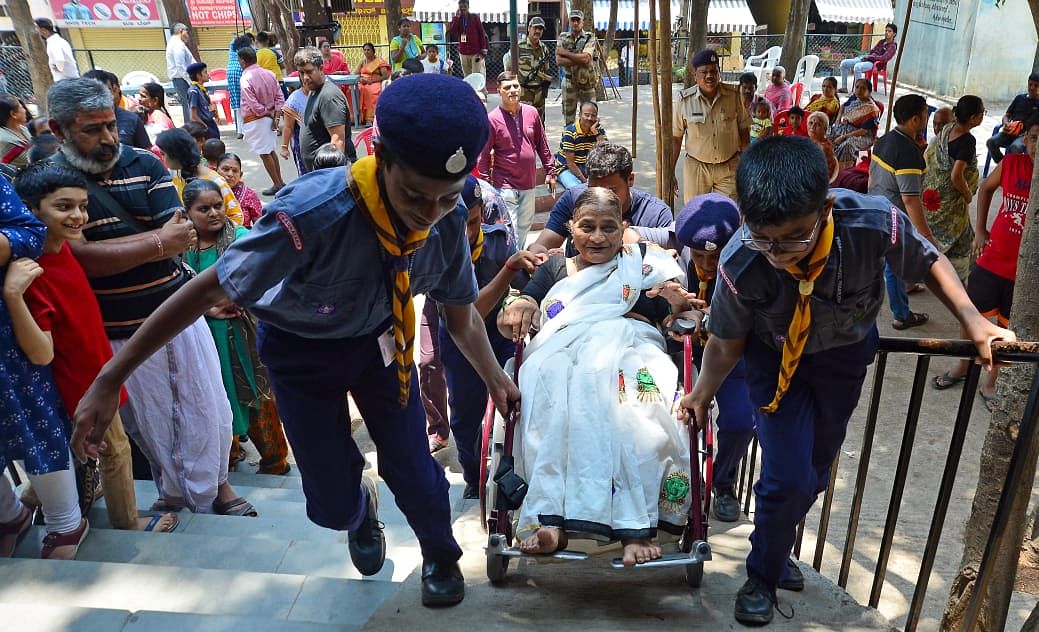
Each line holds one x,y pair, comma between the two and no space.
313,266
531,57
753,297
582,75
711,128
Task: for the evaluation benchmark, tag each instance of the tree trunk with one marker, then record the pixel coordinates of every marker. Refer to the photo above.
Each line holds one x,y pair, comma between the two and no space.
697,36
1033,5
392,17
261,20
667,176
611,30
1002,432
585,7
315,21
177,11
35,52
794,40
284,29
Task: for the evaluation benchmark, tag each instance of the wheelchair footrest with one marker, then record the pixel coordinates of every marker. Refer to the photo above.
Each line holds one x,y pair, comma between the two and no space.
701,552
496,546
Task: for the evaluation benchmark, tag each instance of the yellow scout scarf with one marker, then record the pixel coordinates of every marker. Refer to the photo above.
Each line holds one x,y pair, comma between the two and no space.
797,334
705,282
476,248
201,87
399,248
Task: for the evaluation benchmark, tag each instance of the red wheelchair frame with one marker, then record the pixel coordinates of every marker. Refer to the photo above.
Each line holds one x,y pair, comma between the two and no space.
496,516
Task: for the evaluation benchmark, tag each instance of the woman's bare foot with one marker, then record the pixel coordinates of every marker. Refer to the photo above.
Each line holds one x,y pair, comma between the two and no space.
545,540
638,551
167,522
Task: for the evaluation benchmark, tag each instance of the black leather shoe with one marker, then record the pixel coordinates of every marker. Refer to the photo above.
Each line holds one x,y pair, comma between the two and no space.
726,506
794,580
471,493
754,602
442,583
367,542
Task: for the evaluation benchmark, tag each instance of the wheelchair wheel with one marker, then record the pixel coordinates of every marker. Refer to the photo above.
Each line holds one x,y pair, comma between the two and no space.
497,564
694,574
486,442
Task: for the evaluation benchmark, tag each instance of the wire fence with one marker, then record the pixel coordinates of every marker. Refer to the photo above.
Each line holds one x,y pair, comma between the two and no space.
733,51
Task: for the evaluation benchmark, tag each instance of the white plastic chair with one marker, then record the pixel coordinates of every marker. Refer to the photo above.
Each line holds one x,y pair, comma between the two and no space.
138,78
477,81
762,65
805,71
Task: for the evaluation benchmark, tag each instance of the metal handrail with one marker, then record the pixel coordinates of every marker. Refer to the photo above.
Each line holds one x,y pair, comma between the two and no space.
1004,352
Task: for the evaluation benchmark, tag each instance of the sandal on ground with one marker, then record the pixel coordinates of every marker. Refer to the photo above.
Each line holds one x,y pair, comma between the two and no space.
153,524
11,533
913,288
436,444
235,507
992,402
55,541
915,320
944,381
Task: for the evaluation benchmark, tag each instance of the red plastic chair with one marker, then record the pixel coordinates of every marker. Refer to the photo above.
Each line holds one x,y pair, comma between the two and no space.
796,92
879,69
222,98
365,138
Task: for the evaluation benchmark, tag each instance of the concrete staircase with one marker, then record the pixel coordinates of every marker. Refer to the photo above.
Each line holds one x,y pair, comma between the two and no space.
275,572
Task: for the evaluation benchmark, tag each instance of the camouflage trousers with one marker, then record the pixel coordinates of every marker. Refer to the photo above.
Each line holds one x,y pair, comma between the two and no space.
572,95
536,98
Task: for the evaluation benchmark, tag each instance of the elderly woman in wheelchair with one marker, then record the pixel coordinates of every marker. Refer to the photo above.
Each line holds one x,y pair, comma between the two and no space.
599,447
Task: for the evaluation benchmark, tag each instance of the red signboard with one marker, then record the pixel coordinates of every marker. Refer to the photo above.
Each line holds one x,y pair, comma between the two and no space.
219,12
106,13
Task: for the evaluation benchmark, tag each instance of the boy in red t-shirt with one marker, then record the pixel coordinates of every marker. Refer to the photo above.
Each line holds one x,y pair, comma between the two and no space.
990,284
70,328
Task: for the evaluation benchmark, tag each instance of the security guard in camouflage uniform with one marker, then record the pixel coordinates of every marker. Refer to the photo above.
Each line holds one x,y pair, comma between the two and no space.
535,73
575,52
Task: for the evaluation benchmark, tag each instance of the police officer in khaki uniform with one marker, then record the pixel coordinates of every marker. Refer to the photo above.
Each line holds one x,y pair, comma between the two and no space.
716,127
575,52
534,65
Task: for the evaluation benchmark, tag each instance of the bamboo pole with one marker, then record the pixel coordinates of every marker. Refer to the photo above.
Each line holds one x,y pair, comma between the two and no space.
667,175
635,86
654,83
898,61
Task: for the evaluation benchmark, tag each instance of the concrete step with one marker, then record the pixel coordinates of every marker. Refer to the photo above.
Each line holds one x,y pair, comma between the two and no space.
73,619
201,591
234,553
282,513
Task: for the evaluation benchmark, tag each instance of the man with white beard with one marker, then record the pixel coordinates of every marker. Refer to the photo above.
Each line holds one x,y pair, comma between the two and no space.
177,413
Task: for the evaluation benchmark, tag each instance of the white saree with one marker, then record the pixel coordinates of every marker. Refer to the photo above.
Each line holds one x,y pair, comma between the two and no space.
598,446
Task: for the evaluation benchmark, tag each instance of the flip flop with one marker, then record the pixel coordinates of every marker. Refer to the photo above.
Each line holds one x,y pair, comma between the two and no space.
235,507
992,402
155,521
944,381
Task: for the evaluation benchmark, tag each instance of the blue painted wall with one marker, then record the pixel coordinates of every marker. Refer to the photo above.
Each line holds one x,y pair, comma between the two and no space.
980,49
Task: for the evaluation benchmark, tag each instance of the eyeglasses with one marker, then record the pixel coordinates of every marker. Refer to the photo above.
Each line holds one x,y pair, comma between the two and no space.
782,245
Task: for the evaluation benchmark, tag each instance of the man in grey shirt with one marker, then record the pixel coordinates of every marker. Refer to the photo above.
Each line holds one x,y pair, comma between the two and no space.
326,116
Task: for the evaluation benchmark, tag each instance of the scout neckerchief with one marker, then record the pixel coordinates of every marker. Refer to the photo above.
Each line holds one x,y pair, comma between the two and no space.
797,334
705,282
399,248
202,89
476,248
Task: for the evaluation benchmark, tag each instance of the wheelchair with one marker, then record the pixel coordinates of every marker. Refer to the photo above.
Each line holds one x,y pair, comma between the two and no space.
502,490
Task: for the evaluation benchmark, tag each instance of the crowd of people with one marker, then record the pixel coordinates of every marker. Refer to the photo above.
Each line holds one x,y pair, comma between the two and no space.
158,313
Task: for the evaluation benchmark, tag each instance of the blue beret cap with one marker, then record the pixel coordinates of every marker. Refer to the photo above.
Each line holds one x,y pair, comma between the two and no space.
705,57
433,123
195,67
471,192
707,222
